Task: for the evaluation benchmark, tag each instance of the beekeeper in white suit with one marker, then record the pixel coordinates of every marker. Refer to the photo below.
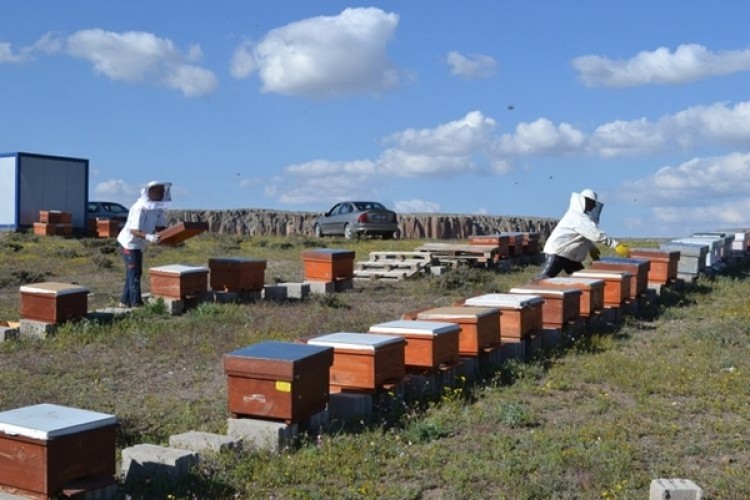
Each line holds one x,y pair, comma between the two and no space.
576,236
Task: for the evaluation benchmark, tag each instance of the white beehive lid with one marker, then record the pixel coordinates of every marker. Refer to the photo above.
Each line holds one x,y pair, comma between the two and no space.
563,280
506,300
47,421
179,269
361,341
52,288
547,291
602,274
457,312
407,327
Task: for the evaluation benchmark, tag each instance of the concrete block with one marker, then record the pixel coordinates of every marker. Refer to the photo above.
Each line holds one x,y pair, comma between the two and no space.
274,292
316,424
174,307
202,441
490,361
438,270
630,307
244,297
674,489
286,291
533,345
144,462
448,378
420,386
8,333
513,349
551,338
350,406
468,371
322,287
36,329
263,434
344,285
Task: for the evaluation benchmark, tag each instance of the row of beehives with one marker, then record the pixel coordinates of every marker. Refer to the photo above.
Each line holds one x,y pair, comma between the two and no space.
291,381
59,223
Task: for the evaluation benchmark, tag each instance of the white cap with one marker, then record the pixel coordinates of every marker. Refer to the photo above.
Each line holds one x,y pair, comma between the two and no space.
590,194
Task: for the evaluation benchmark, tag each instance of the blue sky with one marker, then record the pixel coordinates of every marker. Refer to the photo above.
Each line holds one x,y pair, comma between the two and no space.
472,107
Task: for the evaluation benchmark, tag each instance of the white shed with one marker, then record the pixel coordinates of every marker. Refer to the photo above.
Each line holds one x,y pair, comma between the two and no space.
32,182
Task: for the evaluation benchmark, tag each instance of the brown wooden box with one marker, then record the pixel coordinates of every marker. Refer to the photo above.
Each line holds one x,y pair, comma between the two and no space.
178,281
364,361
108,228
520,316
638,268
592,291
180,232
531,243
515,243
616,285
232,274
663,268
45,229
561,305
501,241
429,344
52,302
55,217
480,326
324,264
278,380
45,447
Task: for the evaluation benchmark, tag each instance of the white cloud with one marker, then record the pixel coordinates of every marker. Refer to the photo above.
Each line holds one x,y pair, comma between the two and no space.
7,55
724,214
471,66
541,137
137,57
117,190
416,206
48,44
324,56
686,64
456,138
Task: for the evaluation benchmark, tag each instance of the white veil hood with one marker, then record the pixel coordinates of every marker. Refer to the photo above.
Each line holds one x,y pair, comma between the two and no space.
164,203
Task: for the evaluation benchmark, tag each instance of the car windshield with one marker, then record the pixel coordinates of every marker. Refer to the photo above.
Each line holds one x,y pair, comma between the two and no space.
114,208
368,205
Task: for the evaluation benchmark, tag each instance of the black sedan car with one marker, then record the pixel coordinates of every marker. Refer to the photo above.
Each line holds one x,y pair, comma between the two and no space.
353,219
107,210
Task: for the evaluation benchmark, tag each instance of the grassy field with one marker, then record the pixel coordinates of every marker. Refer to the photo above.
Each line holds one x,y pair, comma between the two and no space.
665,395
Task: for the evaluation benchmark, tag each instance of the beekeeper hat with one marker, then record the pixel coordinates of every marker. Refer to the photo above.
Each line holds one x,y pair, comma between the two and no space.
590,194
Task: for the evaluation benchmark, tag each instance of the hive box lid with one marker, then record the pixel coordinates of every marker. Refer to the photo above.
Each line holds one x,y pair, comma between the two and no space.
728,238
358,341
327,254
53,289
274,359
685,248
407,327
655,253
624,260
235,260
47,421
602,274
545,290
181,232
574,280
507,300
283,351
179,269
710,242
458,312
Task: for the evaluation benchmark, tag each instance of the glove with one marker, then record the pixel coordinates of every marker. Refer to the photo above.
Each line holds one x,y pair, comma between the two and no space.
622,250
152,238
594,253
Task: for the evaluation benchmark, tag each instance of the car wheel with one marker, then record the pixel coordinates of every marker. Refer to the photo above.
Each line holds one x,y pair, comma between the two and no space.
348,233
318,231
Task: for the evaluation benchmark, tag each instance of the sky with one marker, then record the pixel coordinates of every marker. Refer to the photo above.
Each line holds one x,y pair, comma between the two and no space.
428,106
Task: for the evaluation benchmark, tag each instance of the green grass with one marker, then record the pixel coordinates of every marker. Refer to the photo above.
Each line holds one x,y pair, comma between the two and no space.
665,395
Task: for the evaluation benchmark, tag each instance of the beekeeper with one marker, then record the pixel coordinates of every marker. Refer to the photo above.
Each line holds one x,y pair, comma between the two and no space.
146,218
576,236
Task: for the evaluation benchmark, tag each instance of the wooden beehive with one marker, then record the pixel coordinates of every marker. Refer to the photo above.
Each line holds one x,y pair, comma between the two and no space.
326,264
592,291
663,263
364,361
52,302
235,274
429,344
480,326
521,315
55,217
616,284
692,256
561,305
278,380
178,281
638,268
181,231
44,447
500,241
515,243
47,229
107,228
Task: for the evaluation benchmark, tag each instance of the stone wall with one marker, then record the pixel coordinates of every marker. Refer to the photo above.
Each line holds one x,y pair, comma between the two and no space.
412,226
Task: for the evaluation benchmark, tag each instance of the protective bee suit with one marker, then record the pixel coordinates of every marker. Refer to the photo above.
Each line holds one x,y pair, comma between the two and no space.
576,236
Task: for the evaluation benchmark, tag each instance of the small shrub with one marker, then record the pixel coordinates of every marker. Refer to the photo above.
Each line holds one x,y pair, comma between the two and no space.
68,253
24,277
424,431
332,300
463,277
515,415
102,262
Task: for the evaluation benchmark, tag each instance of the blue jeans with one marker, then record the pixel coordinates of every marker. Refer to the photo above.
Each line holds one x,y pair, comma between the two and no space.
131,294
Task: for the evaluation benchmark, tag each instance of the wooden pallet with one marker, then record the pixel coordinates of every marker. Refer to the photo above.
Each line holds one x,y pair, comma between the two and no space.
451,253
391,265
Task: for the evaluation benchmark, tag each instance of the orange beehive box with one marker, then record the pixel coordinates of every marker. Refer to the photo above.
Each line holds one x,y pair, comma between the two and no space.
480,326
178,281
181,231
637,267
363,361
235,274
515,243
55,217
663,268
616,284
45,447
429,344
561,305
501,241
278,380
592,291
52,302
107,228
326,264
531,242
521,315
44,229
